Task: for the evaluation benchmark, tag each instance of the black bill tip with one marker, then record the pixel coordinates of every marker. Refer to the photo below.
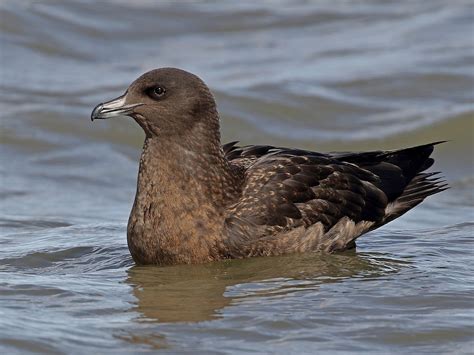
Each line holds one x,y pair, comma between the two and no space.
95,113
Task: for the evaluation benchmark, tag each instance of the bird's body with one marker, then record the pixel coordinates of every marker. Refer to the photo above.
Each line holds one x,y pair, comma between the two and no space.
198,201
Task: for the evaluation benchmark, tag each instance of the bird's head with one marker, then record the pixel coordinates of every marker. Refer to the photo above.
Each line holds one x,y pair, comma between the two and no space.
164,102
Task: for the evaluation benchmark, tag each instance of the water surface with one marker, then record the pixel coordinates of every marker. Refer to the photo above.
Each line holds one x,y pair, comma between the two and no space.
321,75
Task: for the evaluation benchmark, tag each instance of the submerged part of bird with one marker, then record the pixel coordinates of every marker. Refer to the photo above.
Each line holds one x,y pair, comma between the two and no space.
198,201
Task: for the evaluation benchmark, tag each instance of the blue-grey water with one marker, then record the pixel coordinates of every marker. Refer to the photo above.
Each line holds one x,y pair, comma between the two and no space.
323,75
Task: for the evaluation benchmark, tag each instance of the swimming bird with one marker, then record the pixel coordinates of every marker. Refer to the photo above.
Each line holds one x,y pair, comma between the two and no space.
199,201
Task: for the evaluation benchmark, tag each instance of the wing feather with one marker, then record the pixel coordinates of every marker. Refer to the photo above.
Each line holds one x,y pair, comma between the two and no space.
289,192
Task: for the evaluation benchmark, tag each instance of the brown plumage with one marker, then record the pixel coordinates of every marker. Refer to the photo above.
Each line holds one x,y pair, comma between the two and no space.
198,201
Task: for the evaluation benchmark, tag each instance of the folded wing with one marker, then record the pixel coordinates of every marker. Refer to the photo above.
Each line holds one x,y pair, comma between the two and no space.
325,200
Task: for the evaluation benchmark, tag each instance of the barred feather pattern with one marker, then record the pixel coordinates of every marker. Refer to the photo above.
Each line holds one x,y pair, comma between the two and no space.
296,200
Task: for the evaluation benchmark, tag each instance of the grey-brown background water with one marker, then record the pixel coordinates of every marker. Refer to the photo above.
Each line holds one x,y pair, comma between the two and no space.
322,75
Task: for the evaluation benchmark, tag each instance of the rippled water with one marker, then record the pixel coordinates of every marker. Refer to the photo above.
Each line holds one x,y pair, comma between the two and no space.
322,75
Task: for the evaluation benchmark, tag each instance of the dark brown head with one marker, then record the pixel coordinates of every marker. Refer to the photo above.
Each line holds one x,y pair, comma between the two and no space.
164,102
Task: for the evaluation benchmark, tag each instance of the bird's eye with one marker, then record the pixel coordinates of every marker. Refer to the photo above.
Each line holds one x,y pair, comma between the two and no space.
157,92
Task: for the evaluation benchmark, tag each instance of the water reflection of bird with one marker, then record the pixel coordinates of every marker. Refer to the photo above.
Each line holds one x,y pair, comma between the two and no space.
185,293
198,201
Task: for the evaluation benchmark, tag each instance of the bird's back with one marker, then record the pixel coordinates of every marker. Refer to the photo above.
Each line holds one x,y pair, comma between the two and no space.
296,200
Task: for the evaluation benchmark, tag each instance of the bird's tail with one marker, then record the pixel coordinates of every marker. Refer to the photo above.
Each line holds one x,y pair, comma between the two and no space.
413,162
419,188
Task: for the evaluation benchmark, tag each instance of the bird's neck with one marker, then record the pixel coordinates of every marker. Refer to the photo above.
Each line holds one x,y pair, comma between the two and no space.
183,188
